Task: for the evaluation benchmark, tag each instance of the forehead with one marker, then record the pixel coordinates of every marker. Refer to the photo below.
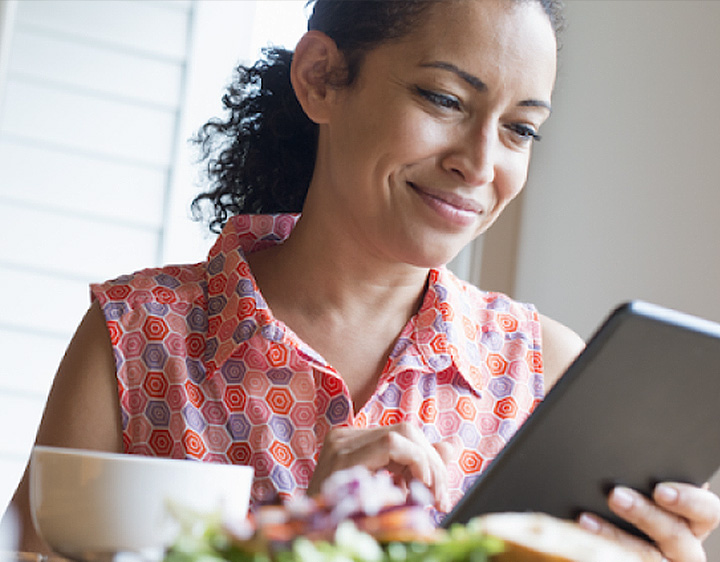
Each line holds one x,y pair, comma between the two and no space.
501,21
486,36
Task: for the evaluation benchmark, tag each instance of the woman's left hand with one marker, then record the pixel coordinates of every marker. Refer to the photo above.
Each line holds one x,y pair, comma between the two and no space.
677,519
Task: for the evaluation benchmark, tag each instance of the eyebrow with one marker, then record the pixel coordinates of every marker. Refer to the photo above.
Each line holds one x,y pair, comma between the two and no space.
478,84
474,81
536,103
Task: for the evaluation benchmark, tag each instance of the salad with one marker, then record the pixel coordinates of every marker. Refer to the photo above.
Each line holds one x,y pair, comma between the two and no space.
358,517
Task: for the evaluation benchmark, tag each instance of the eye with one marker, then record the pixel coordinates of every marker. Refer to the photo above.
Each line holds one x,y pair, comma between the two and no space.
525,133
444,101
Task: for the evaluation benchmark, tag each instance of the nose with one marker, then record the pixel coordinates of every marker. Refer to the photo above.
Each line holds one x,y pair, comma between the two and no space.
474,157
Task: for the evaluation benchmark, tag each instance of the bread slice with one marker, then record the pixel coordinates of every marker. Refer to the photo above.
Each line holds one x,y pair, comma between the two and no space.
536,537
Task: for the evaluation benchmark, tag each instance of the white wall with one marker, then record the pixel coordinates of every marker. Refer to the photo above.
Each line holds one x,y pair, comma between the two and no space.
624,191
7,21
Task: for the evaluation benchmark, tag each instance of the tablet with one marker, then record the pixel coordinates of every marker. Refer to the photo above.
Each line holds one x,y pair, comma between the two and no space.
640,405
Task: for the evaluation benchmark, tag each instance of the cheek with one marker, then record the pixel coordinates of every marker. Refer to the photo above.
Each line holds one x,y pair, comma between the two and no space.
383,140
414,134
512,177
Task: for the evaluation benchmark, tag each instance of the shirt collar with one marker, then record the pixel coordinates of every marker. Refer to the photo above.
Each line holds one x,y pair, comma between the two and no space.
442,334
236,308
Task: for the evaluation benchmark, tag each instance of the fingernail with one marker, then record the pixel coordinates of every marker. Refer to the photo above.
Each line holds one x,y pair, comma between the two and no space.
666,494
623,498
589,523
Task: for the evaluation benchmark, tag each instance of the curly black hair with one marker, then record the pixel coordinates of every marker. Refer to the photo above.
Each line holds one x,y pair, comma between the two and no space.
260,159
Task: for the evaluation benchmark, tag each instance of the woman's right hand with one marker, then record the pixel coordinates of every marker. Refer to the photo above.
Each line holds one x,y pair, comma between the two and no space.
401,449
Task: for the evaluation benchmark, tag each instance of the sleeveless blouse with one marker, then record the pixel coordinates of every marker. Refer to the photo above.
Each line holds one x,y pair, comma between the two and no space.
206,372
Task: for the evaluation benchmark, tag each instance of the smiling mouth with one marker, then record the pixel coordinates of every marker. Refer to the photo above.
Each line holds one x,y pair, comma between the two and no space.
450,206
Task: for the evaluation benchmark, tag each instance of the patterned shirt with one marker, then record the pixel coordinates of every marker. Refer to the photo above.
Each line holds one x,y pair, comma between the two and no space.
206,372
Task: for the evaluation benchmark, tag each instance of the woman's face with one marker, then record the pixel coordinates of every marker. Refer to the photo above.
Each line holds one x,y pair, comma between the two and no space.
422,153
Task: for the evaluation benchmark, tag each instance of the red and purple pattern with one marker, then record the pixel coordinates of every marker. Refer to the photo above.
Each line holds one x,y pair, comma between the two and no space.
206,372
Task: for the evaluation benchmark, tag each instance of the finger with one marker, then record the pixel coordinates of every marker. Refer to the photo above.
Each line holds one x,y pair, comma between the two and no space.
699,506
438,482
449,448
402,449
670,532
379,448
415,457
344,447
408,455
445,450
645,551
436,463
442,453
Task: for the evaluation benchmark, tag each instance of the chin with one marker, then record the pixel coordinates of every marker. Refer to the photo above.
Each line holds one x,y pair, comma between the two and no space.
430,247
424,260
440,250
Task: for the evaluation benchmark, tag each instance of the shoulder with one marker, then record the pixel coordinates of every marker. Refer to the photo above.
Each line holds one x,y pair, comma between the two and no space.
169,284
464,295
561,346
486,310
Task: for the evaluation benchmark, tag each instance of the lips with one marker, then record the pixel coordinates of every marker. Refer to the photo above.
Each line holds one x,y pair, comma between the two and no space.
452,207
452,199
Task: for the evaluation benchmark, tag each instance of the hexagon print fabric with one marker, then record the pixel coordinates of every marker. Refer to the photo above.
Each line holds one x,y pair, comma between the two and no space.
206,372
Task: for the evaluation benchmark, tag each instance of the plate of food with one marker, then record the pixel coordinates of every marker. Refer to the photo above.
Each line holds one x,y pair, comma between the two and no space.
364,517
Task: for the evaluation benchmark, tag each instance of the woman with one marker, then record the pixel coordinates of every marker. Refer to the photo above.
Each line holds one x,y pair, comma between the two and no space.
309,343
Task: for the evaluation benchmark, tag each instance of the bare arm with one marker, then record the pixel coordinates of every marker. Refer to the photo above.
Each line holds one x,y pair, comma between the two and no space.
560,348
82,410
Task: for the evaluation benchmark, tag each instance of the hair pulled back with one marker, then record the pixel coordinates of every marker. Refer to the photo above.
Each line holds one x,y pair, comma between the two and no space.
260,159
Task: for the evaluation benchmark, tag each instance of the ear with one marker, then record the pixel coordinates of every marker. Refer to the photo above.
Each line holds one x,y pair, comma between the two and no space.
316,58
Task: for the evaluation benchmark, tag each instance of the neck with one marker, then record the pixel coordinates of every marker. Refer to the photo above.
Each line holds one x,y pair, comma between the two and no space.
345,301
318,271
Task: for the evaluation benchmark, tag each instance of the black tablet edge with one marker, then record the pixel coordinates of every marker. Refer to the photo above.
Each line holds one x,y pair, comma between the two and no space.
635,307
